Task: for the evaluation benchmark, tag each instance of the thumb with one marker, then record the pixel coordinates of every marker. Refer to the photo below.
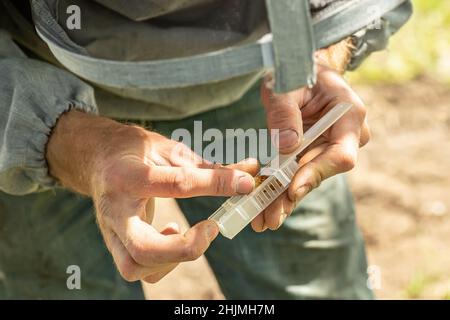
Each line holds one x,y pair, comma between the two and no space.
284,118
202,234
194,243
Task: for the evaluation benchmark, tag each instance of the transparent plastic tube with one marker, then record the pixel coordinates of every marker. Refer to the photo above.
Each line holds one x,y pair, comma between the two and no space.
238,211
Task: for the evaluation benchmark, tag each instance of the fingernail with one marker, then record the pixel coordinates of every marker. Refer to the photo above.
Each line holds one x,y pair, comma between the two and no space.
251,161
282,219
245,185
211,231
301,193
287,138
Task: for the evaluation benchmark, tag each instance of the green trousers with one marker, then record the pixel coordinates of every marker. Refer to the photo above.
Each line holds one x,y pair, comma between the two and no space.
317,253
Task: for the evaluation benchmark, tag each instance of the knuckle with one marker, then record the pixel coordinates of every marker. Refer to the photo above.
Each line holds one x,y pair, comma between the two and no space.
113,177
361,110
137,252
124,179
310,186
182,181
152,279
136,132
359,107
191,252
366,138
221,184
315,177
141,178
347,162
314,184
128,269
280,115
180,151
348,94
145,172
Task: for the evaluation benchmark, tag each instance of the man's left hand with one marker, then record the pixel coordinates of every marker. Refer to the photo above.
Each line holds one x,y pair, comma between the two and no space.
333,153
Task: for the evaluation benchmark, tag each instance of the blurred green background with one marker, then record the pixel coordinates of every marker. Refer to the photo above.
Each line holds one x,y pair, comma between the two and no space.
405,160
421,47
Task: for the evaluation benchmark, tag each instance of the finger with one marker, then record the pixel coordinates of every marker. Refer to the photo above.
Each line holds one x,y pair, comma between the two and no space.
170,228
250,165
283,114
313,151
154,278
277,212
180,155
180,182
148,247
336,158
128,268
183,156
328,159
258,224
365,134
353,125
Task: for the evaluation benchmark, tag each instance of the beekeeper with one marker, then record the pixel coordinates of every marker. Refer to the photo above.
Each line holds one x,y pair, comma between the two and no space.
90,92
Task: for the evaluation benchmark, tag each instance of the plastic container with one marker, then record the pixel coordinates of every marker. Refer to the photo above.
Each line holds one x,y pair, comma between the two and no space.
238,211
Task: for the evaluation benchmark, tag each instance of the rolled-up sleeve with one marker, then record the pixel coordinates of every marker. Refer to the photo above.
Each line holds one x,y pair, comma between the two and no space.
33,94
376,37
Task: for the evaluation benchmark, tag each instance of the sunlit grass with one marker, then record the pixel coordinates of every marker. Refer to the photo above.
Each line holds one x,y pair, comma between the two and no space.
421,47
417,285
420,284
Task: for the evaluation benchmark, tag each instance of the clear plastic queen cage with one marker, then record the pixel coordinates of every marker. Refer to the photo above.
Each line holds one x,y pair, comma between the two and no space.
238,211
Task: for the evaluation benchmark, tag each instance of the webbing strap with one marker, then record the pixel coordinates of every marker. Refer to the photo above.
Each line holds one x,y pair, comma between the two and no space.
289,55
293,43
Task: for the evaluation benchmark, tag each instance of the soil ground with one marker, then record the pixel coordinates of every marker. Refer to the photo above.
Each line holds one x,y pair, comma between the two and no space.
402,192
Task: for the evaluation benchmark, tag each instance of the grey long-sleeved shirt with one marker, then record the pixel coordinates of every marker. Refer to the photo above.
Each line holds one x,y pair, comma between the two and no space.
32,96
34,93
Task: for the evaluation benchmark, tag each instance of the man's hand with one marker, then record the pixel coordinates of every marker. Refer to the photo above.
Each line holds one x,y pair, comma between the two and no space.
335,152
123,168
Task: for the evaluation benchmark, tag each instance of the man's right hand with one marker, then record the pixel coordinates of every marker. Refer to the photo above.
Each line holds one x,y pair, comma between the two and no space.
123,168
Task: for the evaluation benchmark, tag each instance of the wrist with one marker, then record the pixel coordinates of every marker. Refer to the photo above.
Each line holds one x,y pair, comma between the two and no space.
77,148
336,57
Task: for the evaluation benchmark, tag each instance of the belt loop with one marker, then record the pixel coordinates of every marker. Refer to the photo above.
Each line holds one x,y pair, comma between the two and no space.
293,42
